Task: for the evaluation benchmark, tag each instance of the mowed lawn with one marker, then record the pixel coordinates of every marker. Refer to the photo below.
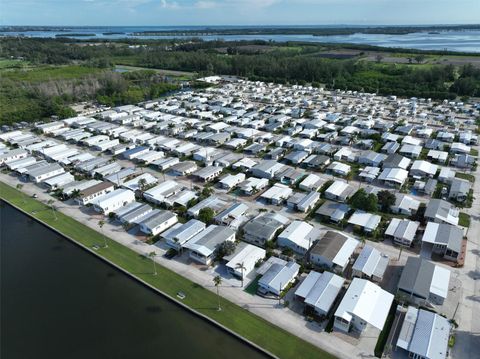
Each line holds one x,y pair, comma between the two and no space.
250,326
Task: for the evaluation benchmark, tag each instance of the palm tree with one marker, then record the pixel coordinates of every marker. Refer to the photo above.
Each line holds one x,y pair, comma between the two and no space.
241,266
19,187
217,280
142,184
153,255
50,202
75,194
101,223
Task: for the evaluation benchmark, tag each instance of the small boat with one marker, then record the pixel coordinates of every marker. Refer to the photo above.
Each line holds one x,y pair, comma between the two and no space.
181,295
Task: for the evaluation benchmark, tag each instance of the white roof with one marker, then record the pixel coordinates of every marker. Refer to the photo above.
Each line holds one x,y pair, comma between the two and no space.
367,301
364,219
301,233
371,262
440,281
320,289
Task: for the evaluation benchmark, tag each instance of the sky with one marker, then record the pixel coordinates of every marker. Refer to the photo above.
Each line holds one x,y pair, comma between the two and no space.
237,12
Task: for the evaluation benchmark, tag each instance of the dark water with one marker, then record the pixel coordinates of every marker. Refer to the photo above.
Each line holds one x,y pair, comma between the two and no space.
454,40
58,301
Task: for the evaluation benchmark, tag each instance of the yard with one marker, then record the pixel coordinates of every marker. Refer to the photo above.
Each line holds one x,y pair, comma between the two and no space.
250,326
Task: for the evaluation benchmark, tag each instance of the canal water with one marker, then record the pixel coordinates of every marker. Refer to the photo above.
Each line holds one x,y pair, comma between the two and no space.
59,301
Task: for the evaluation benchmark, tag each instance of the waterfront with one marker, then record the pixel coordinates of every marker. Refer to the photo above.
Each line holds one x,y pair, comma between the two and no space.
59,301
455,40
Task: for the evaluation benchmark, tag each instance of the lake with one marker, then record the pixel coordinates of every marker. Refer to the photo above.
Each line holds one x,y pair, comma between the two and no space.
59,301
454,40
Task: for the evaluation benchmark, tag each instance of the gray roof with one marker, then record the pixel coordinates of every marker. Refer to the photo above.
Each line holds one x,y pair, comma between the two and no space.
44,169
157,219
460,186
417,277
438,207
279,275
265,226
334,210
424,333
329,245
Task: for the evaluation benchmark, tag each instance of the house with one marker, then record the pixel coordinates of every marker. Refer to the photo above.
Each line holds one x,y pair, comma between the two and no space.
390,147
244,259
458,147
395,160
424,334
140,183
97,190
215,203
412,151
364,304
333,251
459,189
463,161
370,264
440,211
318,291
394,177
446,175
234,216
437,156
21,163
207,174
368,174
176,236
338,168
204,245
263,228
111,201
371,158
183,168
339,191
298,236
266,169
367,221
316,161
402,231
444,239
333,211
135,215
161,192
312,183
252,184
277,194
12,155
158,222
295,157
404,204
42,173
423,282
244,164
59,181
278,277
421,169
307,202
230,181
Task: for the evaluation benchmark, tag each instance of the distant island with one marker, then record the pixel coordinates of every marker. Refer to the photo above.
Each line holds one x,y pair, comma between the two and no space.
314,31
75,35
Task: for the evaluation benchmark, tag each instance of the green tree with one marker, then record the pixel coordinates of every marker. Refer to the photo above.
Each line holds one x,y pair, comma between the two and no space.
142,184
226,248
217,281
206,215
386,199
